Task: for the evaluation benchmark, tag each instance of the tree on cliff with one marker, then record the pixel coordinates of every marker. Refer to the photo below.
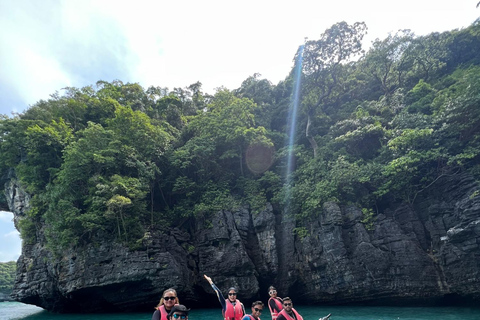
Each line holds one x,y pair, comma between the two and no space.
116,160
325,73
7,276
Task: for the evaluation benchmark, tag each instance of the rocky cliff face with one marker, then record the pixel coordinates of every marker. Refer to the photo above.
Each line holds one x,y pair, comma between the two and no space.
424,252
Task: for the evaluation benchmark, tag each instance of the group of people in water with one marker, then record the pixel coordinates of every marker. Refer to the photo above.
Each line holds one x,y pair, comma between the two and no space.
169,307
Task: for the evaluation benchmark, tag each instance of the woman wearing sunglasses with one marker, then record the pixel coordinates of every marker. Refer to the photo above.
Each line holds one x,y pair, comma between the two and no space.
275,304
168,300
232,308
257,308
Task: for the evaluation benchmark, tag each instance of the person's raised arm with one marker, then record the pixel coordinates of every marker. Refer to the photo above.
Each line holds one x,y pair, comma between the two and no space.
218,292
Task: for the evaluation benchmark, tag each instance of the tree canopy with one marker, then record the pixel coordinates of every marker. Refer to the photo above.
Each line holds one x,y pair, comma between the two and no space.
117,160
7,276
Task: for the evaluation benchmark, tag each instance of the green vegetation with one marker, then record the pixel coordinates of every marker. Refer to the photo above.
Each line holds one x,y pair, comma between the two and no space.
7,276
117,160
368,219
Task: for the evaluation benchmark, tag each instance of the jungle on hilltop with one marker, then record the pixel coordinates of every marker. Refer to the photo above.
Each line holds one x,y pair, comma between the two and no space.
114,160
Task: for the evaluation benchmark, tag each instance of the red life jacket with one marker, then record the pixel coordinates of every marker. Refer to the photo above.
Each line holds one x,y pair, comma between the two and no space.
163,312
233,312
287,316
279,306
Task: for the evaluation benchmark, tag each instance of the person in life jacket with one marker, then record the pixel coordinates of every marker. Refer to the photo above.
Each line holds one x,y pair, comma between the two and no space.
275,304
232,308
168,300
288,312
257,308
178,312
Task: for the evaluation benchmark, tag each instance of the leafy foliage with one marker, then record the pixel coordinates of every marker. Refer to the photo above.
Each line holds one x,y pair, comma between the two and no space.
116,160
7,276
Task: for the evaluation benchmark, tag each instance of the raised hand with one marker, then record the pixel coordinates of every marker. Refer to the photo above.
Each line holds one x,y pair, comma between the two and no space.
208,279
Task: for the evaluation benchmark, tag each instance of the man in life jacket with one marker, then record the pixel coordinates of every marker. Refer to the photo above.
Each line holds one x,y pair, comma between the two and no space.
275,304
257,308
232,308
178,312
288,312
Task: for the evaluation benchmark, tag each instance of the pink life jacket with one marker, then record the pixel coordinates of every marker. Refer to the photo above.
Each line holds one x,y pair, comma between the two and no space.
273,311
233,312
163,312
287,316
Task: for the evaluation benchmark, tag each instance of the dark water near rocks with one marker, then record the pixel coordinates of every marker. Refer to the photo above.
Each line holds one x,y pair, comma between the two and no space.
15,310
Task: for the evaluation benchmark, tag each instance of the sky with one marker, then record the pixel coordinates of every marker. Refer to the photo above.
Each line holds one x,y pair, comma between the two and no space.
10,243
52,44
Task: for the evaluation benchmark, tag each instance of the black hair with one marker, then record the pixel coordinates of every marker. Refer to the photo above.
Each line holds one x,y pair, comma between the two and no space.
257,303
178,308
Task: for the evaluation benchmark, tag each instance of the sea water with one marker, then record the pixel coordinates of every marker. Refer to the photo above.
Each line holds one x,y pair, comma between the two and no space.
15,310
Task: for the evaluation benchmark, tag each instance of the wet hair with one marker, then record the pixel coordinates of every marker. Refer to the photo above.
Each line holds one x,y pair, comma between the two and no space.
232,288
162,301
257,303
272,288
287,299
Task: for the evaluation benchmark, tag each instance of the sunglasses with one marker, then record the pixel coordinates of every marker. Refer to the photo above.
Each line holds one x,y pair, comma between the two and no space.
181,316
258,310
287,304
272,292
232,294
169,298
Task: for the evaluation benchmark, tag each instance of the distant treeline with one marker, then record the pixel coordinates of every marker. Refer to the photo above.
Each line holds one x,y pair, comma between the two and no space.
372,128
7,276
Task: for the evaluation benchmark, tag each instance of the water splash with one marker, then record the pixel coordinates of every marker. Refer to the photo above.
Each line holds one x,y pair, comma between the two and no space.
292,124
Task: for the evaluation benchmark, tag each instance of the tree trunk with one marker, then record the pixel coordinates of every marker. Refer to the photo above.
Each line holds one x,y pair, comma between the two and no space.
241,161
310,138
123,224
152,198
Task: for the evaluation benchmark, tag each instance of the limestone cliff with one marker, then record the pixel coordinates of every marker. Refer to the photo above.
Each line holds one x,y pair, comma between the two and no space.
425,252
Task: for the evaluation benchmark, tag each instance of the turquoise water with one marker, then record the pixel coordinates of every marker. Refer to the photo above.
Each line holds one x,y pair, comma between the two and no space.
15,310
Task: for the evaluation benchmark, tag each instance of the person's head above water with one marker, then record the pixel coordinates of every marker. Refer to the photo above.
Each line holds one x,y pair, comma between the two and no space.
272,291
257,308
232,294
169,299
287,304
178,312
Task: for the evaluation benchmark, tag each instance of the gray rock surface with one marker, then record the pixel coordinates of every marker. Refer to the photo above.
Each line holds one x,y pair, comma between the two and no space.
425,252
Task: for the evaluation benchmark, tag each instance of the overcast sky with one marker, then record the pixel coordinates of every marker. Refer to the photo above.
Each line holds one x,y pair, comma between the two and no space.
10,243
50,44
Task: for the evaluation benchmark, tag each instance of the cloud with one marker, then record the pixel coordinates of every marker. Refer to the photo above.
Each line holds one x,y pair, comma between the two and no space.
10,246
53,45
6,216
12,235
10,242
48,45
28,70
8,256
